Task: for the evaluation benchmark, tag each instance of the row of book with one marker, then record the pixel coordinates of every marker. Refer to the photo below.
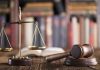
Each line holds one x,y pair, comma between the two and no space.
38,9
53,30
55,7
61,31
83,29
56,31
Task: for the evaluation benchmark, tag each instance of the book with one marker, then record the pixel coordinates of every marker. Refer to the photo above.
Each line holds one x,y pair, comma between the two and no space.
4,3
93,31
86,30
74,8
14,35
95,35
82,0
69,35
75,29
38,9
56,31
46,52
49,31
63,32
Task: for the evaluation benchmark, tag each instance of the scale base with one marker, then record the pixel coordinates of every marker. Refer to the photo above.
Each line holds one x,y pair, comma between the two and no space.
20,61
80,62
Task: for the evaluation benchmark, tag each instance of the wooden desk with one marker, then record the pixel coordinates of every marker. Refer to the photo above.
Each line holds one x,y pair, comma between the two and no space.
40,64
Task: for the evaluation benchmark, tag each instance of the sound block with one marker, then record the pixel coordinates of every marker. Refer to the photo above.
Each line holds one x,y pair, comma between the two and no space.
6,49
24,61
70,61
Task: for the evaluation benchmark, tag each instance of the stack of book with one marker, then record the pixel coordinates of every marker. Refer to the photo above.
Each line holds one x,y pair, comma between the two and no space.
4,6
38,9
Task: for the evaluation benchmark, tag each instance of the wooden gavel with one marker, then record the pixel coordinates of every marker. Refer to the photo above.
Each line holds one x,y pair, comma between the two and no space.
77,56
83,51
76,52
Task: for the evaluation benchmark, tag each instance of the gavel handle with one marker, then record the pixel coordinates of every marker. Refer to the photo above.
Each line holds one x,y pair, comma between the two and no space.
57,56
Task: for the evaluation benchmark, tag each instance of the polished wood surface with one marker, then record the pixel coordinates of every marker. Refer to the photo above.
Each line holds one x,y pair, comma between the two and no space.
39,63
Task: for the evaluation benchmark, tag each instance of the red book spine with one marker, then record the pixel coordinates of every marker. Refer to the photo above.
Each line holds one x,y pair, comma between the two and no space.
69,35
81,21
14,35
91,34
49,31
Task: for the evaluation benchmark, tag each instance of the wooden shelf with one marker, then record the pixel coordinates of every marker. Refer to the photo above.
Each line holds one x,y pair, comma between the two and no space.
5,10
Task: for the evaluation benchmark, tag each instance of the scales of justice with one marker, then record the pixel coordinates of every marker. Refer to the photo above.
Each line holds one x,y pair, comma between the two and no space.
20,60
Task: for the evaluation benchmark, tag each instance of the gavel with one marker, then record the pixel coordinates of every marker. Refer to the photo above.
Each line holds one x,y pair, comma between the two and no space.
83,51
81,55
77,51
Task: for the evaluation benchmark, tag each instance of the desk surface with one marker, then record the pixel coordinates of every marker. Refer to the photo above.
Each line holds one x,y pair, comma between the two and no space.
46,66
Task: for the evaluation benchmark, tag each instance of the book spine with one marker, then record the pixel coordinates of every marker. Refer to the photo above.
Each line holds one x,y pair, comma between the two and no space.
81,21
93,32
95,35
38,9
75,29
86,29
4,4
98,21
49,33
70,34
63,32
14,18
14,35
56,31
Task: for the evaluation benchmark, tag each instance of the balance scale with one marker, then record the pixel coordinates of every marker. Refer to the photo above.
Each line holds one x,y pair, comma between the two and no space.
24,61
19,61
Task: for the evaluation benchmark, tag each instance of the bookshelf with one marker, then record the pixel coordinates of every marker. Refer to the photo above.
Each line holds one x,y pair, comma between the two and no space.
38,9
4,6
49,22
83,11
56,29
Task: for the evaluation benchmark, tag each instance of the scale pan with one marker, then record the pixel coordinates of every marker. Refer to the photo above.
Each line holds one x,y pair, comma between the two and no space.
6,49
42,48
32,47
36,48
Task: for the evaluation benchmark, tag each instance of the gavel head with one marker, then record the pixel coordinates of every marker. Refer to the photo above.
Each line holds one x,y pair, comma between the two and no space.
78,51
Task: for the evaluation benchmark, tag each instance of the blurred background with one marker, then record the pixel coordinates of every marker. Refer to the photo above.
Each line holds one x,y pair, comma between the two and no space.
62,23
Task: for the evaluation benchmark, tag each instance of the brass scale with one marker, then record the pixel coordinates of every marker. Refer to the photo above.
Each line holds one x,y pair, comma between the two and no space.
16,61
